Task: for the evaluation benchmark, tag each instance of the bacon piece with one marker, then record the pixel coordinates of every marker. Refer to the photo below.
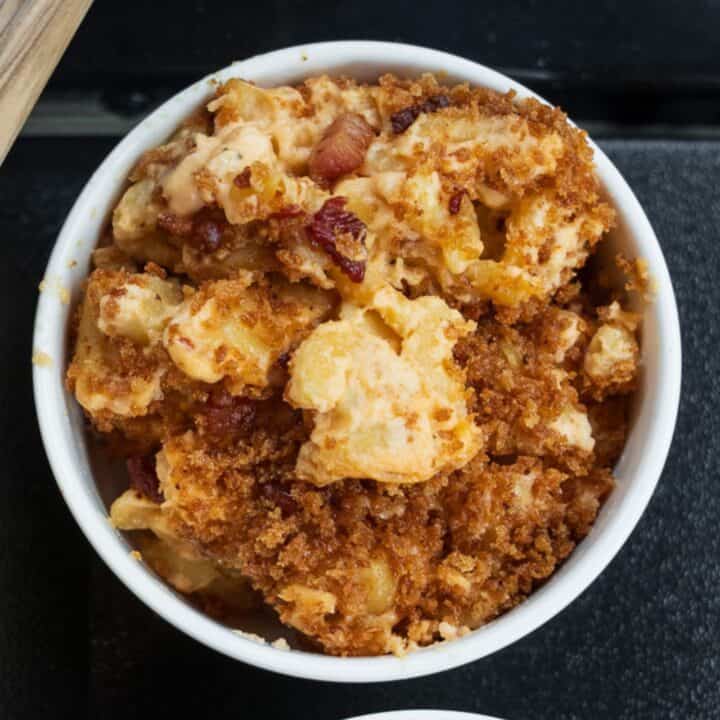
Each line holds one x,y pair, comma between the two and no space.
143,477
207,234
226,416
331,225
203,230
342,148
456,202
404,118
242,180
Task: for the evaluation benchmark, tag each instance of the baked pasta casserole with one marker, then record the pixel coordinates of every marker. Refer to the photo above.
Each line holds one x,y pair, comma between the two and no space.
348,343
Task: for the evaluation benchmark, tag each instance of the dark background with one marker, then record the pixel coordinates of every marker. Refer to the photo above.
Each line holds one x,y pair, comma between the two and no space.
644,640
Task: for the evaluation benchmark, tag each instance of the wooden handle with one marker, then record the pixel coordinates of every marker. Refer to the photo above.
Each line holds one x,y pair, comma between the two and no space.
33,37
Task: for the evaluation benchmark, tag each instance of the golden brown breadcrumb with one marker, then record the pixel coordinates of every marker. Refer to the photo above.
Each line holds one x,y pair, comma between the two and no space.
305,280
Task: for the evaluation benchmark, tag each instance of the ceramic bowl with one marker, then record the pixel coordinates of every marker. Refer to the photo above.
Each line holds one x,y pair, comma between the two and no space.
67,447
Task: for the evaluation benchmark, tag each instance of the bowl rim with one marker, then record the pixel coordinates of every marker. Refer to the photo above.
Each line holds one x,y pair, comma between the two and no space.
423,714
566,584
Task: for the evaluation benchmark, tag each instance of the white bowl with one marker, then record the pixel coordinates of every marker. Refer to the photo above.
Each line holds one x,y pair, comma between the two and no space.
61,421
423,715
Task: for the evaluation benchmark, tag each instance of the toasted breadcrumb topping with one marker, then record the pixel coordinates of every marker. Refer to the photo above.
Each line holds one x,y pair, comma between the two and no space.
338,332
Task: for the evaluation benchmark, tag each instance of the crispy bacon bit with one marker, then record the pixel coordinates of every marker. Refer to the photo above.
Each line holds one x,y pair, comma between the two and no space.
243,179
143,477
342,148
207,234
279,496
456,202
404,118
226,416
204,230
331,224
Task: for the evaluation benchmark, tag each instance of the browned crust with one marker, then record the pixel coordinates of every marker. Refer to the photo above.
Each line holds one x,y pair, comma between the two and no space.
461,548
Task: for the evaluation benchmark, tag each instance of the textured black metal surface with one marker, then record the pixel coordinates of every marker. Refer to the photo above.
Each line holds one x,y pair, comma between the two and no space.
641,38
642,642
634,62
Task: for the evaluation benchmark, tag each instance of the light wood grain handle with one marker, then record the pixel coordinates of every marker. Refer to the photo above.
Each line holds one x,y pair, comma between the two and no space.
33,37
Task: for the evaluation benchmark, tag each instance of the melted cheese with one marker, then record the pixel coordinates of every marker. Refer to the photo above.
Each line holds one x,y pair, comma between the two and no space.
573,425
136,213
389,402
139,309
611,347
268,131
425,209
570,333
103,381
231,329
